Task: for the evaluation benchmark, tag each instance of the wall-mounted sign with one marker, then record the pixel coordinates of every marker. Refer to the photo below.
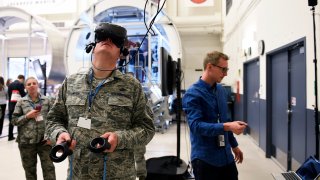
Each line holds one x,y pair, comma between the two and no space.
199,3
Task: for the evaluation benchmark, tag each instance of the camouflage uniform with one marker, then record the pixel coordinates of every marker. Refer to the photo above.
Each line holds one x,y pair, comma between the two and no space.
119,107
30,136
140,160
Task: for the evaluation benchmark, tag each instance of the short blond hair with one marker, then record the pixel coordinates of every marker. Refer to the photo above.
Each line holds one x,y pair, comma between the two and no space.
213,58
31,77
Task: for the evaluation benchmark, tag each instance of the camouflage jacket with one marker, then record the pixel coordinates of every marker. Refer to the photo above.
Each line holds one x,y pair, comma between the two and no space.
119,106
30,131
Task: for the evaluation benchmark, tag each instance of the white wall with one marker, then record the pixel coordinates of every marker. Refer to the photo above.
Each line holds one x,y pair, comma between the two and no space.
195,48
277,23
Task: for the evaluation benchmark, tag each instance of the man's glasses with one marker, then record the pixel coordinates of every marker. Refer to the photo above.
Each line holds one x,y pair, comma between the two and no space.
223,69
29,84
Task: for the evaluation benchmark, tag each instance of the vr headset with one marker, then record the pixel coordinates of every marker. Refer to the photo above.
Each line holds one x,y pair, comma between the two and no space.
104,31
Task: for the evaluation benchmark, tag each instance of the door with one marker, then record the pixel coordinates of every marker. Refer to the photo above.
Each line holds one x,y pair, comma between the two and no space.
279,105
288,105
298,106
252,98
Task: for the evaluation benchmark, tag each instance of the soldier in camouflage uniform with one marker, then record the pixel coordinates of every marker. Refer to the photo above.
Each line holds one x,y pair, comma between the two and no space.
102,102
30,116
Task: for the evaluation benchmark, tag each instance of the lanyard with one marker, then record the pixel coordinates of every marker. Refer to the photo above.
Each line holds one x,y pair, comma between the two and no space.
93,92
33,104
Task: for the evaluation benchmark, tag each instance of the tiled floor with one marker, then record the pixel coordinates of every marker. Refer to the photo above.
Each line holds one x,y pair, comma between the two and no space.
254,167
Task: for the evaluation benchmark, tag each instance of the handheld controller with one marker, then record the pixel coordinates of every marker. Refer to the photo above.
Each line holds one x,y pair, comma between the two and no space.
60,148
102,142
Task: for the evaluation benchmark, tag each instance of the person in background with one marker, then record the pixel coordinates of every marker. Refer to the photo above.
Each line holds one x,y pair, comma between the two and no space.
9,81
3,102
15,93
102,102
30,116
211,131
140,63
123,60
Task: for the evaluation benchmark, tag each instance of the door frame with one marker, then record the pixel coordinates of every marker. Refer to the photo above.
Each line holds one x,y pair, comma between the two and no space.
245,86
286,47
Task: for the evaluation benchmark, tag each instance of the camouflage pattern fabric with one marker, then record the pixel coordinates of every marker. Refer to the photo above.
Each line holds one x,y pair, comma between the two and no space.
30,134
28,153
30,131
140,161
119,107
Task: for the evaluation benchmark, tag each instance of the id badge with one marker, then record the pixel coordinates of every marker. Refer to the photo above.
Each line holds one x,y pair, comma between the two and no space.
84,123
221,142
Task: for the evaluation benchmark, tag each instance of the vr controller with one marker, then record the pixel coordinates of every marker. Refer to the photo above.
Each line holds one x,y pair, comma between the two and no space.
97,145
62,148
104,31
102,142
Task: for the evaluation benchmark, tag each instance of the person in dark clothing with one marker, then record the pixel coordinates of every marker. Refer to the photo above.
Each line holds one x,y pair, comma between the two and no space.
15,93
136,63
3,102
123,61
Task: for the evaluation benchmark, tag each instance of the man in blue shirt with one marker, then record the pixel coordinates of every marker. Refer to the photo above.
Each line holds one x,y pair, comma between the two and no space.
211,131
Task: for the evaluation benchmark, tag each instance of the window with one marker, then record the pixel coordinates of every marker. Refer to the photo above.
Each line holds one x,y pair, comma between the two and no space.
16,66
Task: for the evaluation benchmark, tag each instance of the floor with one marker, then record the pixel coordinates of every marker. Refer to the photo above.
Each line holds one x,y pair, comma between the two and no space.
254,167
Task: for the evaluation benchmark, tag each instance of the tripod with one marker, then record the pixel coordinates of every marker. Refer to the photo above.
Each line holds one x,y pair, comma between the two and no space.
316,112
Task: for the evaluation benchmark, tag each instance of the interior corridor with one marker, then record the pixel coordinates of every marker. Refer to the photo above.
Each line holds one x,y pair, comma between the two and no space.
254,167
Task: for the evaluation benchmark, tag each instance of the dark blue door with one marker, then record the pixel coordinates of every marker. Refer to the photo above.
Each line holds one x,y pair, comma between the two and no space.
288,106
279,116
251,91
298,105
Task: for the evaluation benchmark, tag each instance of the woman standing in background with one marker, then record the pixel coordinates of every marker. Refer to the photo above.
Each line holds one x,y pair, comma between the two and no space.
3,102
30,115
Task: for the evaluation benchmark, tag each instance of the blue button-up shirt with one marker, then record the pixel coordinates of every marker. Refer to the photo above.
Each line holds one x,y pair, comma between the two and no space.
207,110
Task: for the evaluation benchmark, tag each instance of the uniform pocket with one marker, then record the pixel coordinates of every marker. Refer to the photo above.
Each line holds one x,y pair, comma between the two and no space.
119,101
76,105
120,110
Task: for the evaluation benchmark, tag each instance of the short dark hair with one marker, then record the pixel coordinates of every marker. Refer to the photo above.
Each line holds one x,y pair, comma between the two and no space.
20,76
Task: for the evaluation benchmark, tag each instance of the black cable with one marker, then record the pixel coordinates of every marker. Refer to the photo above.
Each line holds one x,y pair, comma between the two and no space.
148,29
151,23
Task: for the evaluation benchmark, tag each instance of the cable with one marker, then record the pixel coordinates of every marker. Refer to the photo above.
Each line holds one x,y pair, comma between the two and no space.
148,29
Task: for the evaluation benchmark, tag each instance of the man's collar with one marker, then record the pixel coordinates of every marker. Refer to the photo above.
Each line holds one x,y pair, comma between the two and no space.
116,74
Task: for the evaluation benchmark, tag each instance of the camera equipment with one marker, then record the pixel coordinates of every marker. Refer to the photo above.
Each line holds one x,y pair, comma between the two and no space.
64,148
102,142
313,3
